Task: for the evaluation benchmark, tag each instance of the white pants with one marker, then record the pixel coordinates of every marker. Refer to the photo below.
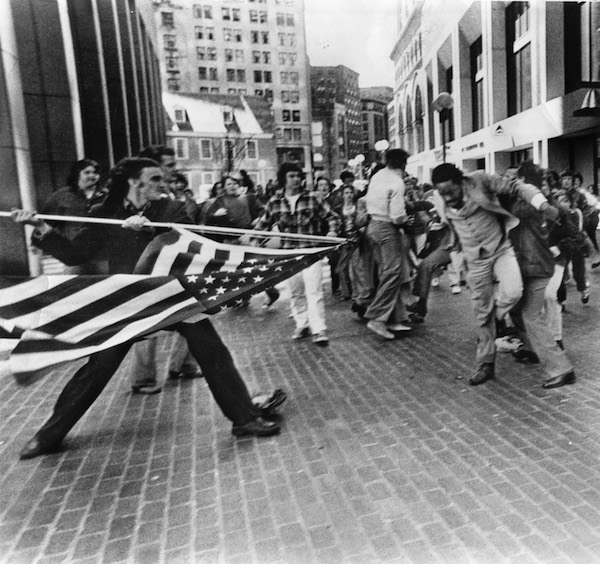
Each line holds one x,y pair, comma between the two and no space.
553,310
306,298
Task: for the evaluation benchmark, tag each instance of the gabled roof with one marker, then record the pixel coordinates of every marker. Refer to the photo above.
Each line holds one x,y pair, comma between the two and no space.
204,113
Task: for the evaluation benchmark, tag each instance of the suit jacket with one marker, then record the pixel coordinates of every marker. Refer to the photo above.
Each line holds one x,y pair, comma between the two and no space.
485,190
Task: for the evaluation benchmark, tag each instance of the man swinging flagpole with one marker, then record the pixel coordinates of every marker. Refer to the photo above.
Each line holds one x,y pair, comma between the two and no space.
135,197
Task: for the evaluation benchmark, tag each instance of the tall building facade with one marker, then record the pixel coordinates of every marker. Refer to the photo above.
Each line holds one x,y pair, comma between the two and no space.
374,101
250,47
518,74
78,78
336,113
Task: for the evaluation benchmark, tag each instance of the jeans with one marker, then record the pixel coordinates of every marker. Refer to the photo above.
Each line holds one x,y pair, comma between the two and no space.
387,303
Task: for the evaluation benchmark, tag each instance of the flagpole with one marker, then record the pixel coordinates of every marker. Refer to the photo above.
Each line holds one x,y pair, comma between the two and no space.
189,227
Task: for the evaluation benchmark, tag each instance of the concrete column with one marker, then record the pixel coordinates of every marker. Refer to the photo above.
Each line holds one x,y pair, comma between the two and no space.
18,122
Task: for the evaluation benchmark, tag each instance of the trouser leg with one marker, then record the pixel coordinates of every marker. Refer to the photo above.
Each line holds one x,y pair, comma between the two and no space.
180,357
298,306
315,301
579,275
422,284
221,375
80,393
552,307
390,258
490,300
553,359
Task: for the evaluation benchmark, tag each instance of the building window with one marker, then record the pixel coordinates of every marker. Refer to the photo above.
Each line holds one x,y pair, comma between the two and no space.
283,76
203,89
214,89
181,148
263,16
256,57
235,14
230,75
291,38
282,38
227,33
266,57
241,75
212,74
237,35
202,73
295,115
211,53
289,19
268,94
282,58
167,19
285,96
285,115
254,36
477,75
203,12
226,14
239,55
173,84
251,150
228,55
205,149
280,18
294,77
264,35
180,115
199,32
292,58
518,42
253,16
259,92
295,96
170,41
267,76
296,134
257,76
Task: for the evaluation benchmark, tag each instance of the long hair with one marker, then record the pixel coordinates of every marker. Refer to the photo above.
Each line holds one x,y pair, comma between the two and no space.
118,179
73,178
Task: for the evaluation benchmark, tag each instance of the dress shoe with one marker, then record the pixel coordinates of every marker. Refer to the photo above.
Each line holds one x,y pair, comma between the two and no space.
484,373
320,339
525,356
398,327
300,333
258,427
272,297
558,381
269,402
380,328
35,447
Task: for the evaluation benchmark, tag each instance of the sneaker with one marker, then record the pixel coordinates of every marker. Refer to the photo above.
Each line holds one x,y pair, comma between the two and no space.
508,343
456,289
398,327
320,339
435,282
300,333
147,389
585,296
380,328
258,427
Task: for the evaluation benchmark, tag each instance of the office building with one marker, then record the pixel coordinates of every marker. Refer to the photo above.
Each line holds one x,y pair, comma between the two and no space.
77,78
255,48
336,113
374,101
522,79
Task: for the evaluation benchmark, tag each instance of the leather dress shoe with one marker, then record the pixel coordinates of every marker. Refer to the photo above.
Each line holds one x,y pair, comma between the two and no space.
484,373
525,356
269,403
36,447
558,381
258,427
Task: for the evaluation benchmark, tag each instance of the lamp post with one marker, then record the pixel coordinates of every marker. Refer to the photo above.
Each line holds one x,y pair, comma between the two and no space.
443,104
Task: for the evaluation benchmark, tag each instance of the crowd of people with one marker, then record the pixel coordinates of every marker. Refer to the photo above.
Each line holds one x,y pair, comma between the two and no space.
514,241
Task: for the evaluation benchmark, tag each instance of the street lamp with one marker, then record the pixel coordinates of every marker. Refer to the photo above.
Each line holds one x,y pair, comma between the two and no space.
443,104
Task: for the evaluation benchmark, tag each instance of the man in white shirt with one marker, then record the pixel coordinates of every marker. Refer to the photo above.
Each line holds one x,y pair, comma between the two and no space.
387,210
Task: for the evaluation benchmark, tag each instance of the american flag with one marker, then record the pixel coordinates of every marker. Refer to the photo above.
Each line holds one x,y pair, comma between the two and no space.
180,275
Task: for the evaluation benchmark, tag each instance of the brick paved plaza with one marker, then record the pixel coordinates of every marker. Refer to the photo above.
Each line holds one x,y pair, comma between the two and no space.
386,455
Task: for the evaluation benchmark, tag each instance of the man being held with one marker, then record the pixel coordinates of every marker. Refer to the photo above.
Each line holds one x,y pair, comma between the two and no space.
469,203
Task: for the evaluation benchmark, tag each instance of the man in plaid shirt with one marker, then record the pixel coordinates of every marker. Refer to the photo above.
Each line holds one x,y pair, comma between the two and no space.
293,210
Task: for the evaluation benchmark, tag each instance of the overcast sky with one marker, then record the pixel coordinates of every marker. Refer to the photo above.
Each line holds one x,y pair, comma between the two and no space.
358,34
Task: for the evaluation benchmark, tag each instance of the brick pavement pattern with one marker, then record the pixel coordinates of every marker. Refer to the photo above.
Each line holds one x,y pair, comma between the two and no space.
386,455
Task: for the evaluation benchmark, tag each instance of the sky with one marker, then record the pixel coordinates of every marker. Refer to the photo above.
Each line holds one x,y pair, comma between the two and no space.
359,34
